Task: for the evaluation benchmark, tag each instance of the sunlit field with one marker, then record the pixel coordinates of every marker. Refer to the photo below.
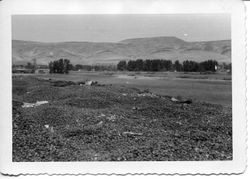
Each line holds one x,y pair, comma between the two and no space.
212,88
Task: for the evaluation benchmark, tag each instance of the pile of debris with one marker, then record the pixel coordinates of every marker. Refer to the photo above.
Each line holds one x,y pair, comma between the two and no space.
181,101
146,93
69,83
31,105
91,83
152,95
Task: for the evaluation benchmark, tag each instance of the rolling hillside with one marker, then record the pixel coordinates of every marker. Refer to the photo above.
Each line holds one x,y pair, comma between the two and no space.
94,52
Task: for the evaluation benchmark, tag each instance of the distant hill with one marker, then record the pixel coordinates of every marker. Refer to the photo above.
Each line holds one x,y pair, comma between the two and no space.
95,52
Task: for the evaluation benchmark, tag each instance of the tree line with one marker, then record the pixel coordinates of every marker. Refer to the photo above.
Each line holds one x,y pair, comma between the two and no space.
96,67
61,66
167,65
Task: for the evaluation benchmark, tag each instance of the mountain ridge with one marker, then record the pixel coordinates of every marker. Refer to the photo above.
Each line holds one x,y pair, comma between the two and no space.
165,47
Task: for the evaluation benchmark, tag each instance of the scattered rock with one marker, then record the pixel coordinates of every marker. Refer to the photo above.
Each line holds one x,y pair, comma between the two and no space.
147,95
112,118
155,132
50,128
99,124
174,99
135,108
91,83
183,101
31,105
67,126
132,134
102,115
81,83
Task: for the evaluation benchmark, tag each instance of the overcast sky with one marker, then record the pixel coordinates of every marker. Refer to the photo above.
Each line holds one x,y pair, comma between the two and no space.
113,28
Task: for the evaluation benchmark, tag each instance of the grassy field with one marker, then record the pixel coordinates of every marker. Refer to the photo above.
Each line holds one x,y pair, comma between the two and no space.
212,88
121,120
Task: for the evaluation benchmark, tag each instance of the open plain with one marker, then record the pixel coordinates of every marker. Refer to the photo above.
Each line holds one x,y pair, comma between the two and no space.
124,117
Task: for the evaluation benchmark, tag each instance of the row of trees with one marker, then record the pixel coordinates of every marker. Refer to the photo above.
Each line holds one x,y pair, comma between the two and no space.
60,66
167,65
97,67
63,66
145,65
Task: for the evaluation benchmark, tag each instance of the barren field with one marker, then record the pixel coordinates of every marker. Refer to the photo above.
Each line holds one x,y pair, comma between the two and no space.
212,88
123,119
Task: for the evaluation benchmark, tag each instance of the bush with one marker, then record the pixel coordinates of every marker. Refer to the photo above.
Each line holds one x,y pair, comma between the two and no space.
61,66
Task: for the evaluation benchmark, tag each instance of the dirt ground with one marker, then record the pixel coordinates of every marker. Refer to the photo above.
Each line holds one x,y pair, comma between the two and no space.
211,88
114,123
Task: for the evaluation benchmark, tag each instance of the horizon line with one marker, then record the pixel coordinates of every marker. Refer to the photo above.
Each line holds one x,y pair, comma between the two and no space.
120,41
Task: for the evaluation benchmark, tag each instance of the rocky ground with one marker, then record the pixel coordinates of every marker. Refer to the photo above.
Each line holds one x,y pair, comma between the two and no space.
68,121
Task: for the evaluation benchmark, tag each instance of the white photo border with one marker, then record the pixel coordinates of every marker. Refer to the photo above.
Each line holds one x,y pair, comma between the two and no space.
238,33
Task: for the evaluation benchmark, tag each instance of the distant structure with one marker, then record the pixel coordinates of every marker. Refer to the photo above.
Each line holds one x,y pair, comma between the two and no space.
42,71
22,70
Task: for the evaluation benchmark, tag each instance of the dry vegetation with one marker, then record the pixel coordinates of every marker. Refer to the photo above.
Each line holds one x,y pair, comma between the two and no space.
114,123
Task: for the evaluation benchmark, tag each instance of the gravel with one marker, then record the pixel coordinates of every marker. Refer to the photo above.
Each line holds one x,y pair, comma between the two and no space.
100,123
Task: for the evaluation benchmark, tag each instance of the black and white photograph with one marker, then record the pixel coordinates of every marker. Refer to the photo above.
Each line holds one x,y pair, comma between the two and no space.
121,87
